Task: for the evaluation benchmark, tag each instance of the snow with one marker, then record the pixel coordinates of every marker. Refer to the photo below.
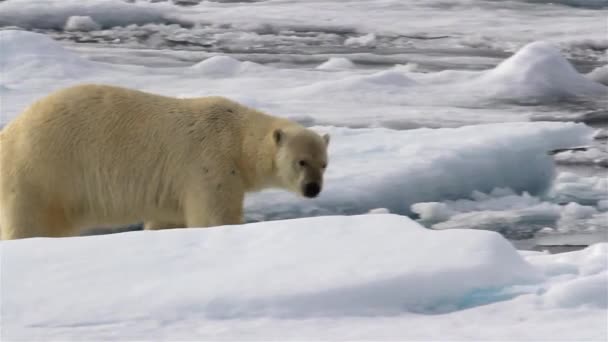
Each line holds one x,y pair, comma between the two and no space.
81,23
383,274
424,105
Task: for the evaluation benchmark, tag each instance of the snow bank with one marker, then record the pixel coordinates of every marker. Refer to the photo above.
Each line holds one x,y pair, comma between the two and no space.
379,271
381,168
328,267
107,13
537,72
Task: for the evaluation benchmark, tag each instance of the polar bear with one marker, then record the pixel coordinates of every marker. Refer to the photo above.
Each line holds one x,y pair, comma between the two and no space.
98,155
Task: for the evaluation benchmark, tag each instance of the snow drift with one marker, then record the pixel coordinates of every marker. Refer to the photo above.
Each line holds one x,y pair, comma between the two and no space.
365,268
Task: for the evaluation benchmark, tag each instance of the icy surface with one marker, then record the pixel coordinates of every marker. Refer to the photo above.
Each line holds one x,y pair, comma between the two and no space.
107,13
369,167
373,74
574,205
398,97
373,276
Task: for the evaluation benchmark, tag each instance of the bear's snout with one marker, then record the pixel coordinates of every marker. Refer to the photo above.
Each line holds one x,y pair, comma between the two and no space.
311,189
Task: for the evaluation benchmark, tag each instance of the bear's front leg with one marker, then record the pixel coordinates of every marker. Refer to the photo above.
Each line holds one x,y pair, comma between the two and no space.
222,204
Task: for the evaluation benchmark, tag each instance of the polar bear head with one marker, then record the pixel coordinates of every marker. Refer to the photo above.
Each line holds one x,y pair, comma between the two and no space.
301,159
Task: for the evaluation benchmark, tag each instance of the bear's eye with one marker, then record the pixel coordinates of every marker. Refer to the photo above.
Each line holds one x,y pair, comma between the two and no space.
302,163
324,166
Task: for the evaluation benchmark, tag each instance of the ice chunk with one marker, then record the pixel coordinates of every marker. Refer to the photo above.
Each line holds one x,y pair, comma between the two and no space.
537,72
377,275
361,265
81,23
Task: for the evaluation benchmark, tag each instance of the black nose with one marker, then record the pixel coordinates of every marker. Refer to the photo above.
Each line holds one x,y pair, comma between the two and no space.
311,189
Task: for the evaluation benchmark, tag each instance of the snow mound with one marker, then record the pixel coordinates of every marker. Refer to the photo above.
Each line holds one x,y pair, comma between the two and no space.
537,72
336,63
361,266
27,53
81,23
401,168
224,66
107,13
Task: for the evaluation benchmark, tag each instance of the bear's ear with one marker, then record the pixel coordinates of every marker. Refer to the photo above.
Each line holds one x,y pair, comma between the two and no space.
278,136
326,138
